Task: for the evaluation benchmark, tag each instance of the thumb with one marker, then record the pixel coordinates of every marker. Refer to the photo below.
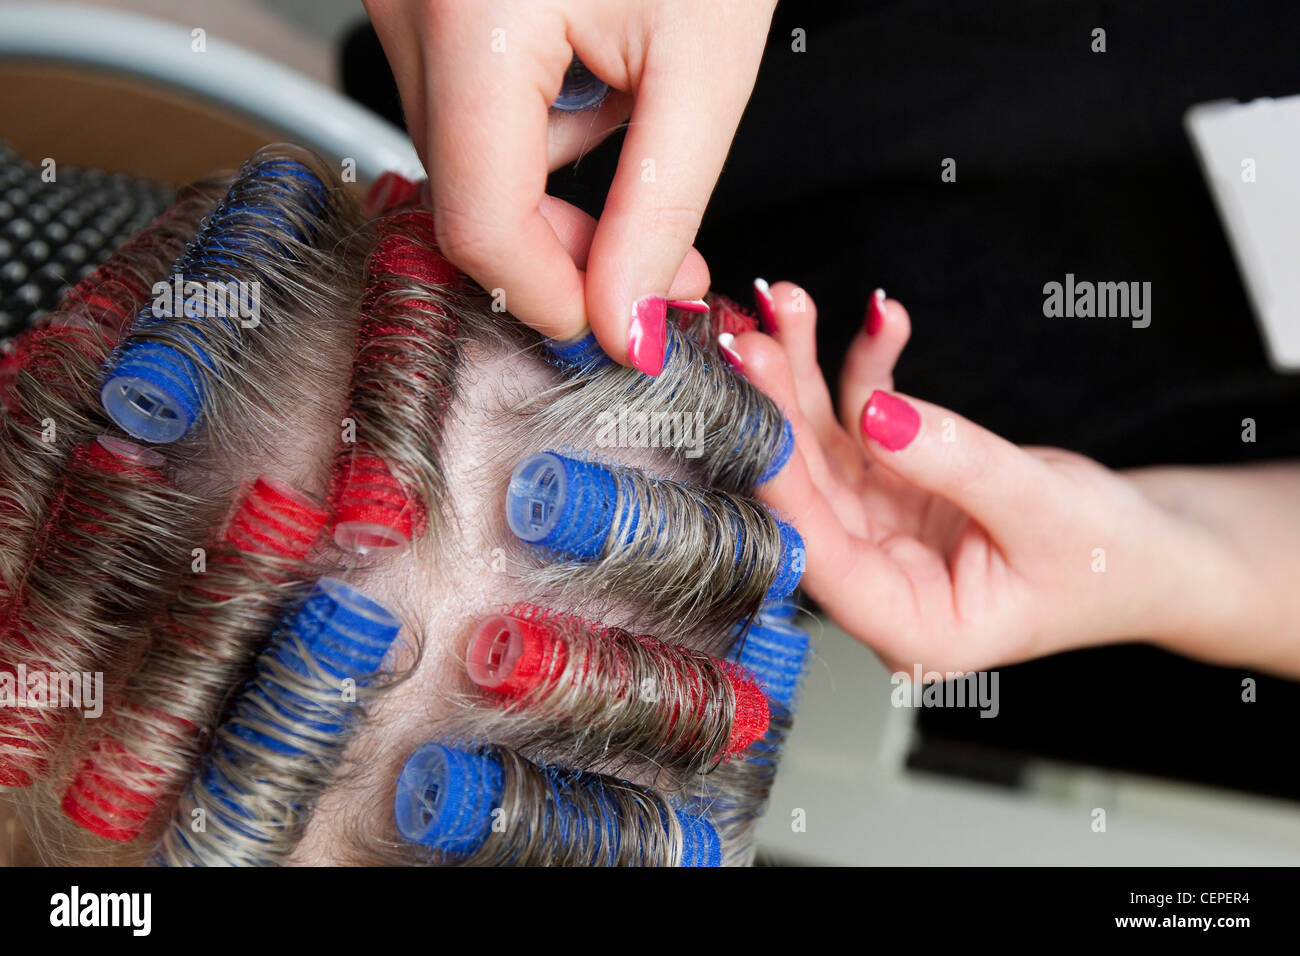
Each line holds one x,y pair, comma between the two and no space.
1001,486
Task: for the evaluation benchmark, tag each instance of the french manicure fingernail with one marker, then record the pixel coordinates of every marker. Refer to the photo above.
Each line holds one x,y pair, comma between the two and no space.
766,305
725,340
647,334
890,420
876,312
689,305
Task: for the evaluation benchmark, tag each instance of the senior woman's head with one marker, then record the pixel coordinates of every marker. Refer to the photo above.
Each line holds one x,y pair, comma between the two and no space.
370,572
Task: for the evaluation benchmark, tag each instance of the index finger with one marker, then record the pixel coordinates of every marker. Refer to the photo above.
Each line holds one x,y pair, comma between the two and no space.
487,160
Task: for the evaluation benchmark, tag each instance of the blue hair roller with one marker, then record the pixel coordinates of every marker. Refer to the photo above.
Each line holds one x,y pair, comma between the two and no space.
581,89
775,654
571,507
346,635
153,393
445,798
599,830
584,358
583,355
700,843
564,505
275,722
782,455
153,390
778,612
793,561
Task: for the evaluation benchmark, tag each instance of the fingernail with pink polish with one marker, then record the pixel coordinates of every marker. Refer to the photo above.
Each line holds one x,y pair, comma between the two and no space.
766,305
876,312
890,420
647,334
689,305
725,342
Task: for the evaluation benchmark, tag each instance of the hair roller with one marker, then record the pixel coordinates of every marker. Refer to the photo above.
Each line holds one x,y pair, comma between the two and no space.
93,578
151,738
698,557
774,653
724,316
494,808
93,313
778,612
387,486
744,439
580,90
275,521
285,735
165,374
737,792
373,510
387,192
112,294
614,693
115,793
51,373
35,352
42,376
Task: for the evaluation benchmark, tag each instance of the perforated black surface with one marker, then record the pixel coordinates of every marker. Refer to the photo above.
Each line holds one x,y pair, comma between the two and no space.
54,233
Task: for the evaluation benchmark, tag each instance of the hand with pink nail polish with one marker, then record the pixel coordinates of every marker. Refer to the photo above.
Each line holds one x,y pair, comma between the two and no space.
477,81
938,543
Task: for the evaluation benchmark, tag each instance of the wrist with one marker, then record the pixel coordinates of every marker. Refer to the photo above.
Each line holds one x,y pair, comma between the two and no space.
1212,598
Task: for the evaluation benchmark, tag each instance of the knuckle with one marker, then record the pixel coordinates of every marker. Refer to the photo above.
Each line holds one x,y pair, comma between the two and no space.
681,220
466,240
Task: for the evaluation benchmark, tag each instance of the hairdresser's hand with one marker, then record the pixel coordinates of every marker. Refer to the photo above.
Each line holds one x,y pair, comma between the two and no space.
937,542
477,80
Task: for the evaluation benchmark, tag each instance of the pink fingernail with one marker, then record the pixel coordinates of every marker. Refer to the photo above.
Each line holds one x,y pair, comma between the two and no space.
689,305
876,312
647,334
890,420
725,340
766,306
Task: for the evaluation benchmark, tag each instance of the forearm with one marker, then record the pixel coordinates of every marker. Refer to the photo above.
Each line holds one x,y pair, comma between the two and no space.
1241,526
